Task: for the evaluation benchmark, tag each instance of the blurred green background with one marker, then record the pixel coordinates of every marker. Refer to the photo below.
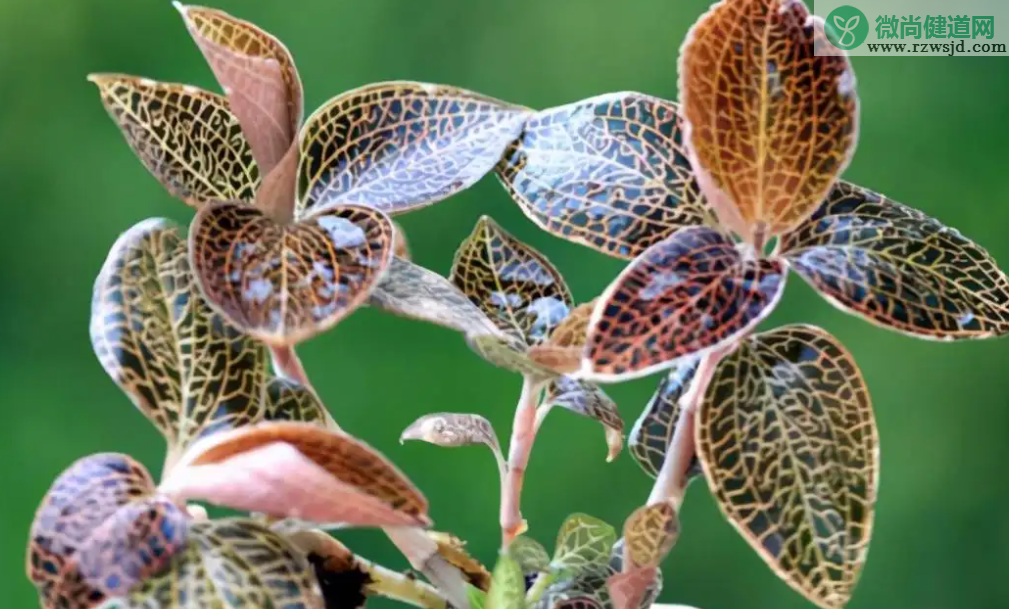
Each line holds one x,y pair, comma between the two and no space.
933,135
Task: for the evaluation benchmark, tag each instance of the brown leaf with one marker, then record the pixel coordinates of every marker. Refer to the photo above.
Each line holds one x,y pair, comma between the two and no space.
283,284
627,589
772,112
649,534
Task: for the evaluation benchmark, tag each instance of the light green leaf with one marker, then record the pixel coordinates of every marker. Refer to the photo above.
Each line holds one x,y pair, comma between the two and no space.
583,542
508,585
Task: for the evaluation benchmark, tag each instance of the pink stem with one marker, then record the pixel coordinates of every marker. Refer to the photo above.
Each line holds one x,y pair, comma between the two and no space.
523,434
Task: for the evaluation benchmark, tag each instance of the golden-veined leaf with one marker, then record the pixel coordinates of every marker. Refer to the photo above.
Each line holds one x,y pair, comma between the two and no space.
508,585
788,442
287,400
583,542
258,74
513,284
653,431
772,110
100,531
397,146
412,291
186,137
610,172
650,532
186,369
687,294
283,284
898,268
230,563
590,401
299,470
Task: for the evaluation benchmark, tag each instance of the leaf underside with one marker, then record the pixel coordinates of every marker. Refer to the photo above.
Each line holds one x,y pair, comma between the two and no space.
898,268
610,172
347,459
773,112
686,294
788,442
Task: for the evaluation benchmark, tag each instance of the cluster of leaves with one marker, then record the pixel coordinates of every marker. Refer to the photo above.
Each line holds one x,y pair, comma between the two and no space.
293,231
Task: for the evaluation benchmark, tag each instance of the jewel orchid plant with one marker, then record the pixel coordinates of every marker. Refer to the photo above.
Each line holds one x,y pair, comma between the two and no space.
712,200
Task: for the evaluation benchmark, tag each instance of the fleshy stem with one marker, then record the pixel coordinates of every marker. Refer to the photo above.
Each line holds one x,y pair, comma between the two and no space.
671,483
523,433
383,581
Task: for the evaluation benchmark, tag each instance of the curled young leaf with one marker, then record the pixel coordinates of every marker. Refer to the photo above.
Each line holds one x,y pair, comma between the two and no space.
257,73
898,268
629,589
397,146
773,113
413,291
186,137
508,585
649,534
529,554
512,283
452,429
100,531
230,563
684,295
583,543
184,367
283,284
653,431
590,401
298,470
562,351
610,172
789,446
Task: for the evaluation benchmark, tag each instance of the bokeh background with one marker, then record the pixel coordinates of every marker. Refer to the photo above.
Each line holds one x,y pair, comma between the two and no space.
934,135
